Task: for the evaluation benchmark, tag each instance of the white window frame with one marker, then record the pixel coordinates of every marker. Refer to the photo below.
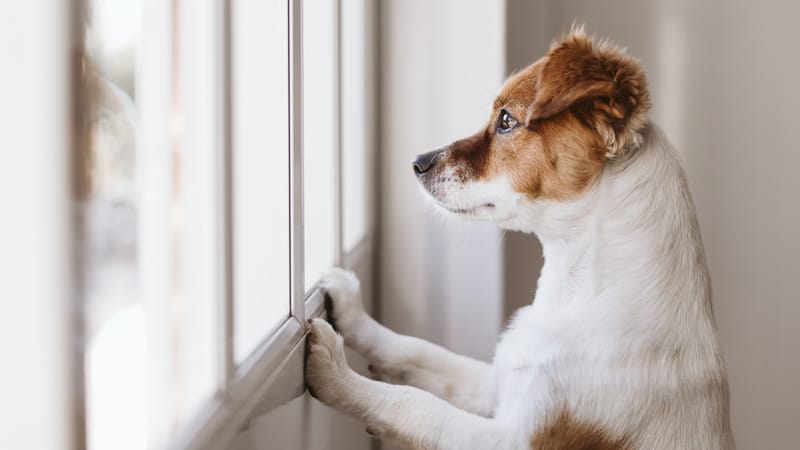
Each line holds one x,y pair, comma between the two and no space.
49,136
245,390
272,374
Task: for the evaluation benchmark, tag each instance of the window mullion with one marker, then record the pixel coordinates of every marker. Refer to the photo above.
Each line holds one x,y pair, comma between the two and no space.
295,110
337,177
225,201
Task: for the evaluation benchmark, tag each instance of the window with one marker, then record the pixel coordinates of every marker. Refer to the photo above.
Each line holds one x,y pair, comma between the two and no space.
320,137
222,174
260,175
358,122
335,104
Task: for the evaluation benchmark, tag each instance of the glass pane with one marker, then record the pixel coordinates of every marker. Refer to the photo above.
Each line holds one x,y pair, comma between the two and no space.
260,170
354,111
147,185
116,351
320,137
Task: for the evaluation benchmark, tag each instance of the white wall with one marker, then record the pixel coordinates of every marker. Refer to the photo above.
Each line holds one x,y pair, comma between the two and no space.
39,407
723,76
442,64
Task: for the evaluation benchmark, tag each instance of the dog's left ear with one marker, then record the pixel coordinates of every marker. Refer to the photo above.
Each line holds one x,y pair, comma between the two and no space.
606,88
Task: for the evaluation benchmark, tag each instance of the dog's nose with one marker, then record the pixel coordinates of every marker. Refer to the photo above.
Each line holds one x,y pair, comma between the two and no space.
424,162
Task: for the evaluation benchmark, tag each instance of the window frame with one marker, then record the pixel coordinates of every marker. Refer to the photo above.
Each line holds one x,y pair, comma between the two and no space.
243,389
272,374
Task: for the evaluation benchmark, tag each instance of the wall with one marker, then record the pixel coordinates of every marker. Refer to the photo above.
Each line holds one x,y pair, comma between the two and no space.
440,279
38,307
723,77
442,64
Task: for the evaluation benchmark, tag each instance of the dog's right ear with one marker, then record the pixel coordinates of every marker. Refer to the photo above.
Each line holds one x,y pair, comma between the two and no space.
605,87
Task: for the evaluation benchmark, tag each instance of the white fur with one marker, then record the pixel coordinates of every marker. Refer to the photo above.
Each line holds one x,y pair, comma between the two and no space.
471,198
621,331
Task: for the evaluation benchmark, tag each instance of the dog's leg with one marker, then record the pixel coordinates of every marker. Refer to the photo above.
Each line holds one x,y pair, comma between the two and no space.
406,414
464,382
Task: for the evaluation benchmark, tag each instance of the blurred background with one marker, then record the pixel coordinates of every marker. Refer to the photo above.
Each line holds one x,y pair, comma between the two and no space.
178,174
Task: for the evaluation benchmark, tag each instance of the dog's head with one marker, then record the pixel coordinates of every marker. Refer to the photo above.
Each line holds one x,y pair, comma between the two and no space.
553,127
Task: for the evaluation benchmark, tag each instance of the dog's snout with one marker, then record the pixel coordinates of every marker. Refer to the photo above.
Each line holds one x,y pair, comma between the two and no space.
424,162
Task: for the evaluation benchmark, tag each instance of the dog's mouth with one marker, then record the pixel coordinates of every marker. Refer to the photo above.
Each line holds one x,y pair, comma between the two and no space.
471,210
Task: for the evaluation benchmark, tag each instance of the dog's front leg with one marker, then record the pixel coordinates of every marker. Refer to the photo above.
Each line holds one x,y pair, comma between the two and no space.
415,418
464,382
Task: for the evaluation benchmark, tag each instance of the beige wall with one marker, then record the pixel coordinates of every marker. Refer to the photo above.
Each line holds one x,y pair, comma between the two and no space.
442,64
724,79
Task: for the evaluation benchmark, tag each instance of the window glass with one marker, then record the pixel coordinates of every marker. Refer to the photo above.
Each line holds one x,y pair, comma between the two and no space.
116,364
320,136
354,133
146,190
260,170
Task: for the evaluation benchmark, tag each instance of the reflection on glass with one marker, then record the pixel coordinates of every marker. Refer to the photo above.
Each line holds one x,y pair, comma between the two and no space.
116,362
260,171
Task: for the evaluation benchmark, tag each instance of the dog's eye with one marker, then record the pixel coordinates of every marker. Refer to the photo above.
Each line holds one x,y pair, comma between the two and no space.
505,122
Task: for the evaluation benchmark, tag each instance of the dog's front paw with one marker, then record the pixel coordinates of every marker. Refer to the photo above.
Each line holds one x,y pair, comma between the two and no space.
342,299
328,376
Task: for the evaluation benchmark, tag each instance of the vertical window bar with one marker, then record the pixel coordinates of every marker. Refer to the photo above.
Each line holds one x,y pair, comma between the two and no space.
295,110
224,52
77,101
337,176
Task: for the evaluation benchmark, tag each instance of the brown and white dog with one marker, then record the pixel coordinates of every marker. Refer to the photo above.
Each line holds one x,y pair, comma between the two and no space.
619,349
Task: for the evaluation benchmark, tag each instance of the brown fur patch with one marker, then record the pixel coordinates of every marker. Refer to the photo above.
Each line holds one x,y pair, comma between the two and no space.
576,107
470,156
557,160
567,433
608,87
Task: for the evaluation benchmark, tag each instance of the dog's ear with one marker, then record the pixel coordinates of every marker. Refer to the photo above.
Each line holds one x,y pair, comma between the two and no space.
606,88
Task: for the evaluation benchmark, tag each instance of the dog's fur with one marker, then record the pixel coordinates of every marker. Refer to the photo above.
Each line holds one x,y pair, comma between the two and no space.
619,349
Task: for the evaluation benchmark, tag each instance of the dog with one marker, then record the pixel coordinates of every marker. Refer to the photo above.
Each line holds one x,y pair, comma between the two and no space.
619,349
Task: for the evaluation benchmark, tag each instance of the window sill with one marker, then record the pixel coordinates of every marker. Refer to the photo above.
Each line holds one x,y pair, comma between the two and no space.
268,379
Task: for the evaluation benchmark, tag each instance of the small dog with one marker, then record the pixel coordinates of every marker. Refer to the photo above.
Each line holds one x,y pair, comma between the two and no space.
619,349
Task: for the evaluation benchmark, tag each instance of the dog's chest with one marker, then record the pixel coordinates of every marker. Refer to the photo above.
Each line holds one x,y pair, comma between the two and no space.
527,342
526,364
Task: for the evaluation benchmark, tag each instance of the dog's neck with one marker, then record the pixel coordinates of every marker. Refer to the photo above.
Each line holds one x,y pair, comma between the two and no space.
632,238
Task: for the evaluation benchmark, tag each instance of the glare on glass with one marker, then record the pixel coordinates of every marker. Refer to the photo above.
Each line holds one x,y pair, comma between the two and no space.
320,137
116,365
260,169
354,117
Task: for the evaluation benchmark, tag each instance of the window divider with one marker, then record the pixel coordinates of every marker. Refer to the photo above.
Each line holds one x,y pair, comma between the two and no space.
296,247
225,201
337,176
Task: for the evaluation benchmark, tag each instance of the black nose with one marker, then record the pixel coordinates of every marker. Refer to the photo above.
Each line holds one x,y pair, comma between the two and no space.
424,162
